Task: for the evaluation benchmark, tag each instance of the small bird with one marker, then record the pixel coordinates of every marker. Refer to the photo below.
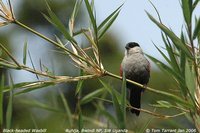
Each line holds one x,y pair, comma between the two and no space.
136,68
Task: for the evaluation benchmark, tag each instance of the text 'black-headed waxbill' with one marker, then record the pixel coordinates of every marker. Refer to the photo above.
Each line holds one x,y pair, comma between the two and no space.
136,68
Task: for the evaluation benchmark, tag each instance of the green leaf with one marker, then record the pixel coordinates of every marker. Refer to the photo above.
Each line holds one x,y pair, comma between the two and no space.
40,105
21,85
119,114
178,77
195,4
76,9
35,125
123,98
173,61
67,109
116,98
53,19
1,99
106,86
164,104
177,42
33,64
91,95
1,52
110,89
187,11
9,106
25,52
92,18
105,25
80,121
182,56
190,79
34,86
108,115
144,128
166,68
109,18
59,41
73,16
8,65
79,86
163,55
196,29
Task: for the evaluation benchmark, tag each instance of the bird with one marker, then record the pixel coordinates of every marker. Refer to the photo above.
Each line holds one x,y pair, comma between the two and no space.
136,68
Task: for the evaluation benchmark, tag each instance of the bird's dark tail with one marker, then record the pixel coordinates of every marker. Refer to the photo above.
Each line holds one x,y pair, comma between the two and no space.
135,97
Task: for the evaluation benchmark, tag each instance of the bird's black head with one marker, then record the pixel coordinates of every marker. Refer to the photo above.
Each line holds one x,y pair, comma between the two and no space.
131,45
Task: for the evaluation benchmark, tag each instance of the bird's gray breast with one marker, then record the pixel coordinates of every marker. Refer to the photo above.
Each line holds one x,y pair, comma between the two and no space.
136,68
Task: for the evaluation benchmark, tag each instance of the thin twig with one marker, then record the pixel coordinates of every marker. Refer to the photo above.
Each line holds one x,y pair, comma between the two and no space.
157,114
47,39
150,89
147,111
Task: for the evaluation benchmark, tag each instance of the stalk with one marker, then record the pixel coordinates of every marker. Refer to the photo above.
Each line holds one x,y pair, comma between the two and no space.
176,98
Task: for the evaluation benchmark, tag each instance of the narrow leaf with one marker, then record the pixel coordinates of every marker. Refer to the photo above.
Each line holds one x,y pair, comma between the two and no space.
36,86
67,109
29,54
144,128
9,107
187,10
196,29
176,99
173,61
109,18
25,52
108,115
107,87
164,104
1,99
34,121
178,43
123,99
80,121
195,4
182,56
76,9
40,105
91,95
110,89
79,86
163,55
53,19
8,65
92,18
183,87
190,78
166,68
22,85
119,115
105,25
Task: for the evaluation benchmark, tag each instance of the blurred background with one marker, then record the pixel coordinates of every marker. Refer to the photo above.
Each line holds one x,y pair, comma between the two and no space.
132,24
